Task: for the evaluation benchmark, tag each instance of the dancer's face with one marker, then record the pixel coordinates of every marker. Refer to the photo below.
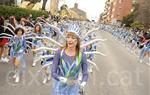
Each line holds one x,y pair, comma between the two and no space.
71,40
23,23
15,21
19,33
37,28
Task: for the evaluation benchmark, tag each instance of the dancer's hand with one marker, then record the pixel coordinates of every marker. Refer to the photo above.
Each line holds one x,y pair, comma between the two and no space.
82,85
33,50
63,79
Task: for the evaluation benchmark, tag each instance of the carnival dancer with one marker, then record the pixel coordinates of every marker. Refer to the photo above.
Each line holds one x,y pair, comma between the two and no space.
46,58
9,29
18,46
37,42
67,64
47,61
146,47
91,47
3,42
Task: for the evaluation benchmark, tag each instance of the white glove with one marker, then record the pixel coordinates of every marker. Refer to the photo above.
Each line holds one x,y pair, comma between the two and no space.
20,51
63,79
82,85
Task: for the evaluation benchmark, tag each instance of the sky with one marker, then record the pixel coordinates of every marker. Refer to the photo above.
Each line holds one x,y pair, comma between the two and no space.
93,8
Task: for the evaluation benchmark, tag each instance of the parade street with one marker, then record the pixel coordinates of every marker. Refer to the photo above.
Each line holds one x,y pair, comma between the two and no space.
118,73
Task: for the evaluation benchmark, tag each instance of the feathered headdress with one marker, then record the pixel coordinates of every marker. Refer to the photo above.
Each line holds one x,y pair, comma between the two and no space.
74,29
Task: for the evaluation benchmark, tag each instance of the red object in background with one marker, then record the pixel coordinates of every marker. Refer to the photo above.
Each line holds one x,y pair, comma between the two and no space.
4,41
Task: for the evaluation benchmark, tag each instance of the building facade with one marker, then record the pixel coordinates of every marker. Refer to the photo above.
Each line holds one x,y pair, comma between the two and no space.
81,15
143,12
115,10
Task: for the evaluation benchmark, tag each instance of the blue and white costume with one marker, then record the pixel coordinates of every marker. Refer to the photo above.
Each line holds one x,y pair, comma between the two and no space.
69,68
18,46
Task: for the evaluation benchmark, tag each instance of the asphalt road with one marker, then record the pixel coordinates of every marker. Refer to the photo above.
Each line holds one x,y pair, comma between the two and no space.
120,73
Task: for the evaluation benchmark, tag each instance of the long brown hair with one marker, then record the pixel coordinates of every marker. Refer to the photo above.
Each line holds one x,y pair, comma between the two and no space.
1,21
1,26
78,43
12,21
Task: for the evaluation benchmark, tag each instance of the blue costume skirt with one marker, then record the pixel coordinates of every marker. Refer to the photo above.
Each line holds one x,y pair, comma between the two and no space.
20,57
64,89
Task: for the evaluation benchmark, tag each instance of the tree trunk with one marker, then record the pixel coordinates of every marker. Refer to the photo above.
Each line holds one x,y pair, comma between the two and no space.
44,4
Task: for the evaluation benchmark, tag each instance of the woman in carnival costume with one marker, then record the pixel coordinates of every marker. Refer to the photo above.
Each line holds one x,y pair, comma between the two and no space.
146,48
18,46
67,64
9,29
46,63
44,56
37,42
91,47
3,41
